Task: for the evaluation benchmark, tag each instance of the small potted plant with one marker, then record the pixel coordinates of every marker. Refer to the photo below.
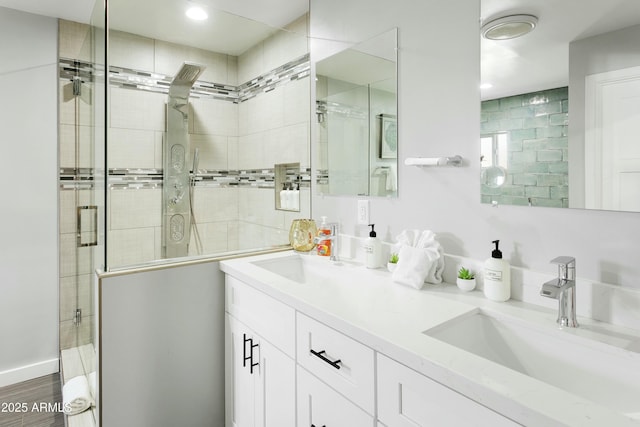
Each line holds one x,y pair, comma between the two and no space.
466,280
393,262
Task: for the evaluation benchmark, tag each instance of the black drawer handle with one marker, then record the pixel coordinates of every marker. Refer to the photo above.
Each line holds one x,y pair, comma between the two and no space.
244,350
244,353
320,354
313,425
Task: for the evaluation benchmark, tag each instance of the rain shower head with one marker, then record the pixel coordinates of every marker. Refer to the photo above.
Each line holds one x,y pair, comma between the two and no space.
185,78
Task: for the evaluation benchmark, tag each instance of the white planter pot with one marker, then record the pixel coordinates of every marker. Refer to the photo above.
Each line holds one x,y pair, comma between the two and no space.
466,285
391,266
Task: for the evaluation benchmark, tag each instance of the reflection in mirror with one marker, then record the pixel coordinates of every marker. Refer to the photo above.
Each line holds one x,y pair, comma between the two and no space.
356,111
561,106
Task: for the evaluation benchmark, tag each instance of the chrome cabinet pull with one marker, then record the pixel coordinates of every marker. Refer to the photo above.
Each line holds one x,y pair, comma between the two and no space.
321,355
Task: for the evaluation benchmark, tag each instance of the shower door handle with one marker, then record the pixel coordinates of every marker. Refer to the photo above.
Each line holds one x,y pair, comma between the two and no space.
87,213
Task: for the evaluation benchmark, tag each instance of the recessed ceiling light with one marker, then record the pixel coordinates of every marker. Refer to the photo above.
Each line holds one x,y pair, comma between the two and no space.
486,86
509,27
196,13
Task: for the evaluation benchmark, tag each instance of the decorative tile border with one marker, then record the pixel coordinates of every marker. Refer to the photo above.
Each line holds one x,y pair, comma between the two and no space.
131,179
127,78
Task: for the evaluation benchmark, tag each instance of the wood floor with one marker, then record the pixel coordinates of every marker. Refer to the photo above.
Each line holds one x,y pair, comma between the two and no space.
31,403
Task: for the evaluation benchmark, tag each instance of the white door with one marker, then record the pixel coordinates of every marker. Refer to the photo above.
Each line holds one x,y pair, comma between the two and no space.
611,140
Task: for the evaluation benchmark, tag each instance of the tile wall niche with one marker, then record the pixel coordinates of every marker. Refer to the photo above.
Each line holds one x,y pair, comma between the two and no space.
239,144
535,126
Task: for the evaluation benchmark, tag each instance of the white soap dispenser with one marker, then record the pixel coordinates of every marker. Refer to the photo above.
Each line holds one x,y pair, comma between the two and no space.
497,276
372,249
295,199
288,197
283,196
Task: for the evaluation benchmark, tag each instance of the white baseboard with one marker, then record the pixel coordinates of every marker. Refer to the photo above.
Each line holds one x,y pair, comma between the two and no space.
28,372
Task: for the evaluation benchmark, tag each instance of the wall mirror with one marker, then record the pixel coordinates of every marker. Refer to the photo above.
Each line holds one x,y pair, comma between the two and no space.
356,114
561,106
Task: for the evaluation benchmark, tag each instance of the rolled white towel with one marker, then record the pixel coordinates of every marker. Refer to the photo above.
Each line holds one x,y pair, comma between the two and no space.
415,265
76,395
433,262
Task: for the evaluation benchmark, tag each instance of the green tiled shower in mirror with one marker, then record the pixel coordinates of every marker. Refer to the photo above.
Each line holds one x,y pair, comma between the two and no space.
524,149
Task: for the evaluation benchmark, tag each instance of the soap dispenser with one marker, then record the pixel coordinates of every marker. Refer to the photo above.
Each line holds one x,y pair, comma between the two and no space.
295,199
283,196
497,276
372,249
324,246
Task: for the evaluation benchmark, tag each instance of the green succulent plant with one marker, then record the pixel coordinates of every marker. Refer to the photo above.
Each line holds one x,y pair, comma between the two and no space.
394,258
465,274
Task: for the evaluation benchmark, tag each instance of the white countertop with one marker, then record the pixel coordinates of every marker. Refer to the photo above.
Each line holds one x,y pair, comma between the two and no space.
390,318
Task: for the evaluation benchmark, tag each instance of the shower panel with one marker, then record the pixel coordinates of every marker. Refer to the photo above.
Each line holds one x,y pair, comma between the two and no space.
176,210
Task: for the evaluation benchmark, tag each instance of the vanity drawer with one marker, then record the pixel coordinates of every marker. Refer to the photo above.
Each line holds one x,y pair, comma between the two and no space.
342,363
269,318
407,398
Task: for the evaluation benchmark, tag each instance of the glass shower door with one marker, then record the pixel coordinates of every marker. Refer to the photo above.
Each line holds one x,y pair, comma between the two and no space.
81,190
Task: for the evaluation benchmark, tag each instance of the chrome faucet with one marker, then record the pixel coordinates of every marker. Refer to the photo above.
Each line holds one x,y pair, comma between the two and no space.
564,290
333,237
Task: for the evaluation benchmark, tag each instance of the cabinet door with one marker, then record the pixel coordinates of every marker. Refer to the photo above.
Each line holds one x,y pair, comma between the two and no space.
275,384
239,382
321,406
260,380
409,399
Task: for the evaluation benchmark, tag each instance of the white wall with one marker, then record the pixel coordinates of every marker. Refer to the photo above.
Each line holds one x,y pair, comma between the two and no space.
28,254
439,115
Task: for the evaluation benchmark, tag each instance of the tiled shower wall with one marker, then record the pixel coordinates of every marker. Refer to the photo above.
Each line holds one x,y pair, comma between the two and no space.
536,126
270,128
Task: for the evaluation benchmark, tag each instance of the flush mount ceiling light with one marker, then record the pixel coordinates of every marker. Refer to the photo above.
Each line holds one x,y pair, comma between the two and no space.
196,13
509,27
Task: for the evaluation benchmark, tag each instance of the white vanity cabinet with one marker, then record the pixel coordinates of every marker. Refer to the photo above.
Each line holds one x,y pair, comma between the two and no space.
286,369
260,375
407,398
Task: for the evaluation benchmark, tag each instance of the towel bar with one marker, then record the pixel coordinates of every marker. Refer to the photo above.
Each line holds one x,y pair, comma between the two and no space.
433,161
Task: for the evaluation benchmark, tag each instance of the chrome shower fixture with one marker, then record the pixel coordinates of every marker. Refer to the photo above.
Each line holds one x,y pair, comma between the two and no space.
184,79
177,218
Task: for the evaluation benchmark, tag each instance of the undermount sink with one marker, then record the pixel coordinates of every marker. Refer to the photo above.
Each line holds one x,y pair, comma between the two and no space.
593,370
307,269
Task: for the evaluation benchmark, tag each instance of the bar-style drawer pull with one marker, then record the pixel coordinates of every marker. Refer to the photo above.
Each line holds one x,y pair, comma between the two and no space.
321,355
313,425
250,356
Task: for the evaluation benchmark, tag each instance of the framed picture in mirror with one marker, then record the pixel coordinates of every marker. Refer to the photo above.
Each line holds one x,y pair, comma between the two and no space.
388,136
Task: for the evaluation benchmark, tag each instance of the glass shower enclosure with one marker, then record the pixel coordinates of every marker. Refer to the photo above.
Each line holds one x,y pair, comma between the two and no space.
168,144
